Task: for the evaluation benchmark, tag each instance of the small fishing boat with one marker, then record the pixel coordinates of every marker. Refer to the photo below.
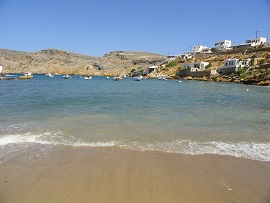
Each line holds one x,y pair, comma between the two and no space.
26,76
139,78
49,75
66,76
161,77
116,78
87,78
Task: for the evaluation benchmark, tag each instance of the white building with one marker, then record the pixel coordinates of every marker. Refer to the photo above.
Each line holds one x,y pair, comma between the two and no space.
256,41
206,51
232,65
152,69
186,56
171,58
1,68
266,45
200,49
195,66
223,45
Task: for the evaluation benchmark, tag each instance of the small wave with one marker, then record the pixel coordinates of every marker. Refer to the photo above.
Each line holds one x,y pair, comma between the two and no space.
249,150
49,138
254,151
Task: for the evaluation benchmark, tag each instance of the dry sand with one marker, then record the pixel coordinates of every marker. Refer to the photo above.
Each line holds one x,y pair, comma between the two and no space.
118,175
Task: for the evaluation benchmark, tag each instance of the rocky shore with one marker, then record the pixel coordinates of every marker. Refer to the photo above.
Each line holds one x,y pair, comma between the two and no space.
257,74
254,76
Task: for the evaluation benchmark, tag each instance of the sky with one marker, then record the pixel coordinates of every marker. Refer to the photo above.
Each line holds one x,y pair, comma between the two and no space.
97,27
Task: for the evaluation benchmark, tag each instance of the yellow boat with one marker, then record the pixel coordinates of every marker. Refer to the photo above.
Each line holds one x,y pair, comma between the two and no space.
26,76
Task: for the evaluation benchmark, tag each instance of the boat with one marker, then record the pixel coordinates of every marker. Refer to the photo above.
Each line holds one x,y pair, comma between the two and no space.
66,76
116,78
26,76
161,77
139,78
49,75
87,77
8,75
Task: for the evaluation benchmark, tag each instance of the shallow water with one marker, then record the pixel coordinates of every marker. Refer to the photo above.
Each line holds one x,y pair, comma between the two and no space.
188,117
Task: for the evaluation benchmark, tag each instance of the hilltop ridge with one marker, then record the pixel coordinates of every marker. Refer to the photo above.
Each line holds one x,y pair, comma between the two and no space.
59,61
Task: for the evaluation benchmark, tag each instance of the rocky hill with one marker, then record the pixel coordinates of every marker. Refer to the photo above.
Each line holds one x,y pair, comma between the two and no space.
58,61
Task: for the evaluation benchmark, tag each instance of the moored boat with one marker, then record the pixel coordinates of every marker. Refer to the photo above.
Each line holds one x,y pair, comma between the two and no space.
66,76
116,78
26,76
161,77
139,78
87,77
49,75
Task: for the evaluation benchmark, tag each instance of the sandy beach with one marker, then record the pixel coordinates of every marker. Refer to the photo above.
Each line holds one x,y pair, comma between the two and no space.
70,174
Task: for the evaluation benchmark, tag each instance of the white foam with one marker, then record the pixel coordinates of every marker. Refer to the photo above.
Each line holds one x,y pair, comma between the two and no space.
95,144
48,138
249,150
254,151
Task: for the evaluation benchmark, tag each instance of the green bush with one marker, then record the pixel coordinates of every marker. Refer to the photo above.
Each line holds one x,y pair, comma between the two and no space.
242,76
208,66
241,72
171,64
183,68
262,61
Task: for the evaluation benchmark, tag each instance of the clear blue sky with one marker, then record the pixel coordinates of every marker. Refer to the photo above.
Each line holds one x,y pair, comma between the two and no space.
96,27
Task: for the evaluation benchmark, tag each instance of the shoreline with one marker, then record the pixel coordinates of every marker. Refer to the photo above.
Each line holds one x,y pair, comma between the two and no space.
111,174
218,79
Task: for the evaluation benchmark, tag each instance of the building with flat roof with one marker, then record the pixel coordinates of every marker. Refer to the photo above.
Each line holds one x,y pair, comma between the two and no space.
223,45
256,41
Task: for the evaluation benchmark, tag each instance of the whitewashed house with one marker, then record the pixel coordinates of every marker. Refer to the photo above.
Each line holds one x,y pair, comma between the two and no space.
233,65
241,47
171,58
1,69
257,41
250,43
200,49
194,69
195,66
186,56
266,45
223,45
206,51
152,69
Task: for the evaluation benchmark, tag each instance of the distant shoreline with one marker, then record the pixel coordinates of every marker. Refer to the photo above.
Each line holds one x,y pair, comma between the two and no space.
124,62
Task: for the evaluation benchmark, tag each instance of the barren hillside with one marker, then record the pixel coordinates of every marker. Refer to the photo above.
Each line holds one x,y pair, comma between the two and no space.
58,61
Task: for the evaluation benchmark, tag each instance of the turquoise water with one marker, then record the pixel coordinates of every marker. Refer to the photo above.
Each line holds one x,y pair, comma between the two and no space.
187,117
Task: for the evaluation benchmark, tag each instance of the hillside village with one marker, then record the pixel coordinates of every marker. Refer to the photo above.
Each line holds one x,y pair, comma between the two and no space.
247,63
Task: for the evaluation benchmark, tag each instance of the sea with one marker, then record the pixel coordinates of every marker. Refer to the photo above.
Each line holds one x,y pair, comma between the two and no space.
170,116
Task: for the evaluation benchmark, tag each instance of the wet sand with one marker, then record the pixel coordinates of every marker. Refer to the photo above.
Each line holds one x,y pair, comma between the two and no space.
118,175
